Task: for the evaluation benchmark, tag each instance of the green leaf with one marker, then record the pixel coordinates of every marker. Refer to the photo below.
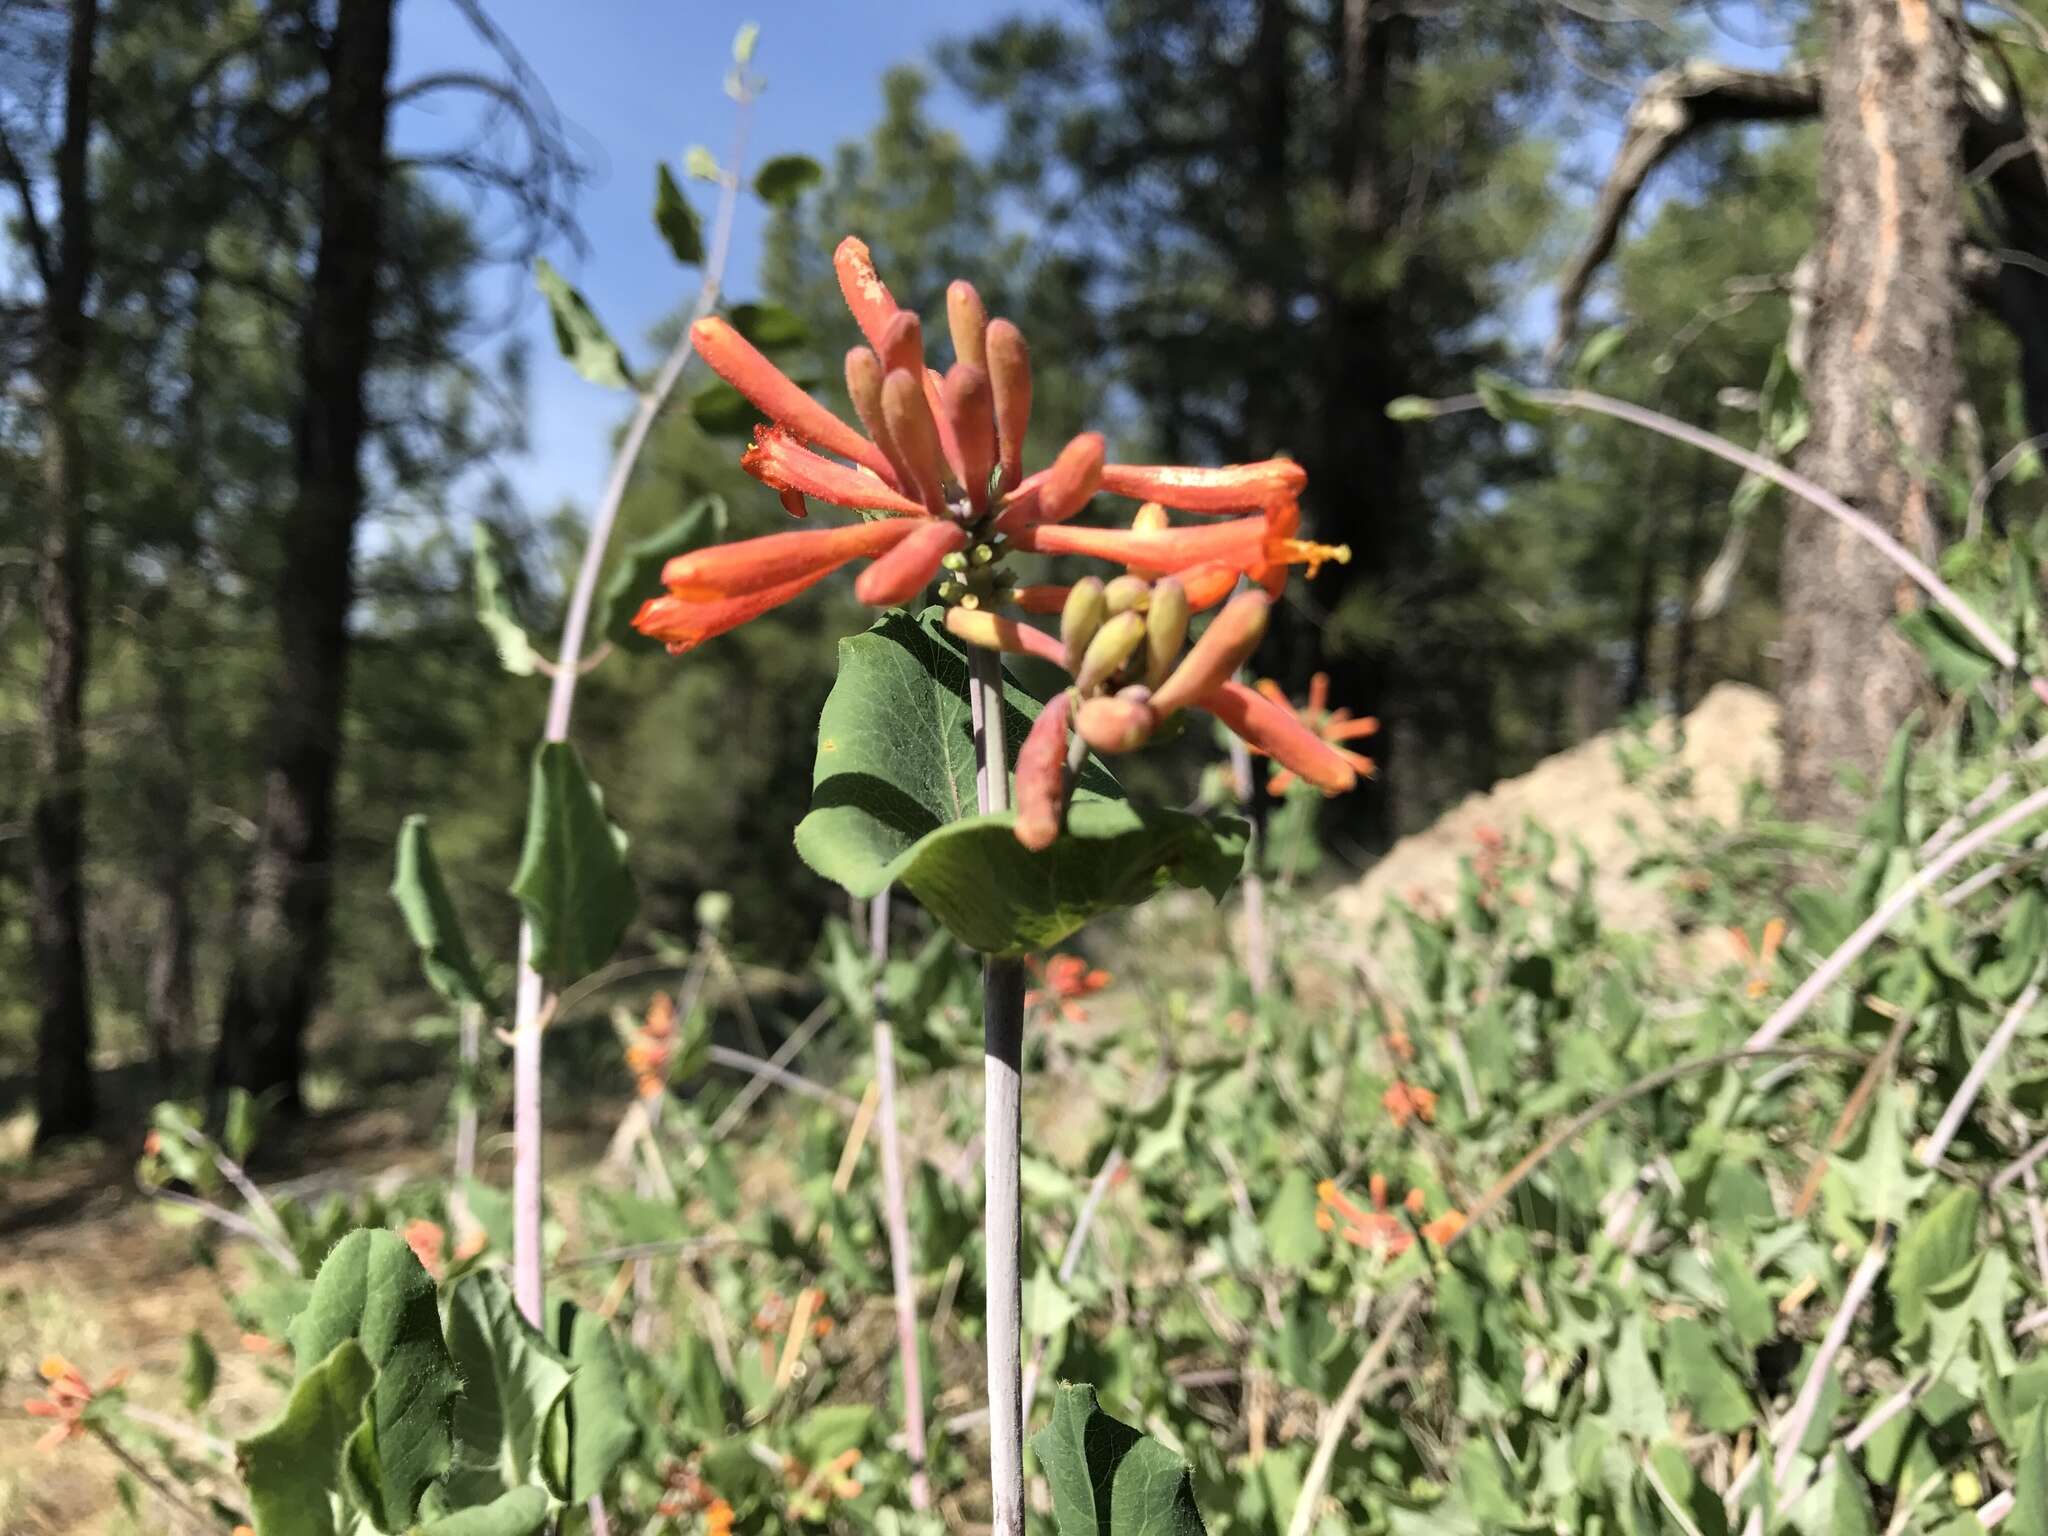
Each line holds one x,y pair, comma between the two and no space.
201,1373
1505,400
771,327
1853,1515
701,164
510,1428
1108,1479
1635,1402
517,1512
1749,1309
636,575
371,1289
1698,1376
515,651
1292,1239
785,178
1880,1180
1598,348
572,882
744,41
293,1468
241,1125
1411,408
676,219
722,411
2029,1515
1932,1252
601,1429
579,333
1959,663
893,802
1047,1308
430,918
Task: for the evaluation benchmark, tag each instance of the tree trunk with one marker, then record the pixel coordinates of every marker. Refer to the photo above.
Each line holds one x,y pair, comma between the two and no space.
1642,625
1881,381
64,1085
282,915
168,1010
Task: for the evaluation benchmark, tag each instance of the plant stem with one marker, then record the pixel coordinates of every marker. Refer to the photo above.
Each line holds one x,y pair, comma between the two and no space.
1809,991
896,1214
1002,1024
1973,1081
526,1034
1916,570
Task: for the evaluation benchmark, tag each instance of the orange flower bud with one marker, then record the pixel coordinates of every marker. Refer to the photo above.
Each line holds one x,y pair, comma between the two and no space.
865,293
1445,1229
737,361
864,373
903,345
1116,724
1042,599
916,435
1231,636
971,411
909,568
1042,774
967,318
1009,374
993,632
1072,479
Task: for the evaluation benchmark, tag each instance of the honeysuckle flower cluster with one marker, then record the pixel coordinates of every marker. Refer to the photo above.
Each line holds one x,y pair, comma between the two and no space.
653,1044
1405,1101
937,471
1380,1227
69,1395
1334,726
1068,979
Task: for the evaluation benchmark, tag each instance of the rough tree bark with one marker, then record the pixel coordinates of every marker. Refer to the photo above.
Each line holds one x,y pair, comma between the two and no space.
64,1085
282,913
1881,382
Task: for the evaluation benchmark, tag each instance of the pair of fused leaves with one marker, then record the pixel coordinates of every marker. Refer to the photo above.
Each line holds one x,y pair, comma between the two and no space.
893,802
1107,1478
393,1427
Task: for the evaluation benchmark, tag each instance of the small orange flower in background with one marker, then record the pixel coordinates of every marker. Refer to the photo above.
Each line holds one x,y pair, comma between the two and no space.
1068,979
257,1344
652,1045
1380,1228
1328,725
718,1519
1405,1102
1760,960
69,1396
427,1242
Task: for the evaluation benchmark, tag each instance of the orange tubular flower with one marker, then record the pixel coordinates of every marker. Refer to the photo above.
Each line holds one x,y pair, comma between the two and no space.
1259,547
736,360
777,559
1332,726
69,1396
1231,488
428,1243
1404,1102
1379,1227
1280,735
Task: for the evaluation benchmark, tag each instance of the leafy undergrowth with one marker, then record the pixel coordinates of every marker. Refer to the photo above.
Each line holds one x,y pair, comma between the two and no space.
1563,1257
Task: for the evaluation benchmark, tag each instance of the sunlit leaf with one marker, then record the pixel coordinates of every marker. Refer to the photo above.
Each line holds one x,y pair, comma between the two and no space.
430,918
579,333
1107,1478
573,883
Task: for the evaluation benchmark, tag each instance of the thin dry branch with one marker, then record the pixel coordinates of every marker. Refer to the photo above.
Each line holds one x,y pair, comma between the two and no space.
1674,105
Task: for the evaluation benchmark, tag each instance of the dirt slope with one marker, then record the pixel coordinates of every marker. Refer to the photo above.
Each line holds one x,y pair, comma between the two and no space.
1583,796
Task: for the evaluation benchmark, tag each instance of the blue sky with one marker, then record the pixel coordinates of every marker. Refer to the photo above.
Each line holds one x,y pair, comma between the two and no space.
639,80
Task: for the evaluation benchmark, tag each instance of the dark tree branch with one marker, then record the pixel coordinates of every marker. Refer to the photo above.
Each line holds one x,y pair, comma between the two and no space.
1674,105
38,238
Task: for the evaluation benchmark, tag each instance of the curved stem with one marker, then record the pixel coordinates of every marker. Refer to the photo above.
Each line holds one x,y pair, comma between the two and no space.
526,1034
1807,490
